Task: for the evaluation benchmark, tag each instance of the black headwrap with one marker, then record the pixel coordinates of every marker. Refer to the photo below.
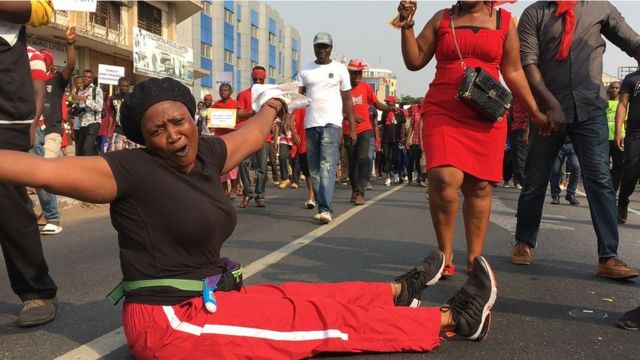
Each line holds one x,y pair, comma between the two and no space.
145,95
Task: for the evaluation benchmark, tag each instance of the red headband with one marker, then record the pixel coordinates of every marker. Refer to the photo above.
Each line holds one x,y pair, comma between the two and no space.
259,74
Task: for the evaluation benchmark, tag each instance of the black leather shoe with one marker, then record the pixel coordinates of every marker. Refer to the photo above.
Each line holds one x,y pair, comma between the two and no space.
555,199
571,198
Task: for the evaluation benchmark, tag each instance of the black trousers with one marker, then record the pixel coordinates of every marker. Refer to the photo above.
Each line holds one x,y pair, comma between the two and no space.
358,154
86,140
284,161
415,154
617,164
21,246
391,157
631,171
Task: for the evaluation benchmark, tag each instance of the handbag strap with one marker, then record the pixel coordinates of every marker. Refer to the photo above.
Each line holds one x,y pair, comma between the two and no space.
455,41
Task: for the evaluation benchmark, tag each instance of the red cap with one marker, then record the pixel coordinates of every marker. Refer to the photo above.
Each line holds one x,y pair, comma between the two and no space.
208,97
357,65
390,98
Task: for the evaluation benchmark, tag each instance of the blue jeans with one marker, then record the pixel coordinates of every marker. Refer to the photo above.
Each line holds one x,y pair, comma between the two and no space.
48,201
590,141
372,156
566,152
322,157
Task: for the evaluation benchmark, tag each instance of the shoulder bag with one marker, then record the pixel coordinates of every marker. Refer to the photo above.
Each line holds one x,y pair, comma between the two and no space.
481,91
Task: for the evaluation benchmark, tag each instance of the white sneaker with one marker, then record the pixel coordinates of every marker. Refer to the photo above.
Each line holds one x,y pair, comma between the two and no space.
325,217
387,182
51,229
309,204
316,216
368,187
396,178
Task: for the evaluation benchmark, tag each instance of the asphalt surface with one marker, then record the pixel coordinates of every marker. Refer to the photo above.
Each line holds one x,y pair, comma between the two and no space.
555,308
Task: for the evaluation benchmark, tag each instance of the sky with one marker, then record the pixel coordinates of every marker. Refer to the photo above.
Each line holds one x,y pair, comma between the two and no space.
360,29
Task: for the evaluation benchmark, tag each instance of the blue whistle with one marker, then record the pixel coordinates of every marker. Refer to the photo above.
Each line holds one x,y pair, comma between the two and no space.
208,293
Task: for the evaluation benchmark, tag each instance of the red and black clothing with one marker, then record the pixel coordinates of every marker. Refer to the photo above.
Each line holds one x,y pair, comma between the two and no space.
19,234
292,320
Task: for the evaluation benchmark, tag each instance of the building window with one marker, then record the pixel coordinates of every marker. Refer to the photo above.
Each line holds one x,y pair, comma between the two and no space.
149,18
255,49
228,36
272,71
272,38
255,19
272,26
238,12
206,64
294,44
228,56
272,56
205,50
207,8
107,14
228,5
254,31
238,43
228,16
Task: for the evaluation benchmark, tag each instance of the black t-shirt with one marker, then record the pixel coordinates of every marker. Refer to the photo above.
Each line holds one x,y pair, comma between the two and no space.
631,85
52,110
17,103
170,224
115,101
392,133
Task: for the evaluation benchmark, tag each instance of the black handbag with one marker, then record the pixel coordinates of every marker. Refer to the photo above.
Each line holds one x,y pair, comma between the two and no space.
481,91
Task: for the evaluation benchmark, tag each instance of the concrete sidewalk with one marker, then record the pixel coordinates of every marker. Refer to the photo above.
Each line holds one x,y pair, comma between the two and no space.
63,202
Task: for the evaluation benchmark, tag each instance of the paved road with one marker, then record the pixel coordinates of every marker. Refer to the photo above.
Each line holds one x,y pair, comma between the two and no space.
555,308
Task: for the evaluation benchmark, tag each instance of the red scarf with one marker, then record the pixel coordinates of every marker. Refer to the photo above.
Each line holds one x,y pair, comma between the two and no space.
390,116
565,8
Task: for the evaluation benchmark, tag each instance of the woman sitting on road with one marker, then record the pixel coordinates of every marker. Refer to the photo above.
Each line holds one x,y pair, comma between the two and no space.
167,249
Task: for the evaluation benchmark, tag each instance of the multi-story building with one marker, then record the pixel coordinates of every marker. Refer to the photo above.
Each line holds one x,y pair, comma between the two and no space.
383,81
106,36
230,37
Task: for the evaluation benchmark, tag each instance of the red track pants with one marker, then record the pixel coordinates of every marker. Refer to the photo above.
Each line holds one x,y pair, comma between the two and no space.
290,321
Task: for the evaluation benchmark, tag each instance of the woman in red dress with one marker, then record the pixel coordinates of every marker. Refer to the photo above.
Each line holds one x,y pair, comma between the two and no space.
462,151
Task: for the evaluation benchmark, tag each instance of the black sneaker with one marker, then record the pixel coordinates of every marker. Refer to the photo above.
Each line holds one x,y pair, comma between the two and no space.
571,198
471,305
417,279
555,199
630,320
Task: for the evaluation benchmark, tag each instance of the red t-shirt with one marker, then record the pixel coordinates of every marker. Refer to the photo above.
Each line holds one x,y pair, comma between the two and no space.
244,102
229,104
362,96
300,114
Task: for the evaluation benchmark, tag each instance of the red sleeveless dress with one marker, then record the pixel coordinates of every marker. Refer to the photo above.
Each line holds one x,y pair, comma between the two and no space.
452,134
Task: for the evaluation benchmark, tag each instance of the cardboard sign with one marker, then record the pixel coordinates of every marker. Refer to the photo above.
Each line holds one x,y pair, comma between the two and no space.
221,118
75,5
109,74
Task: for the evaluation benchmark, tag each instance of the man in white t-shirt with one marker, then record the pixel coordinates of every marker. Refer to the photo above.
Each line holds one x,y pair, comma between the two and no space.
326,83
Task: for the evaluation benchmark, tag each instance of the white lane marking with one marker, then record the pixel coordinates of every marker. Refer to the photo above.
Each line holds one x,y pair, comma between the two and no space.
504,217
629,209
115,339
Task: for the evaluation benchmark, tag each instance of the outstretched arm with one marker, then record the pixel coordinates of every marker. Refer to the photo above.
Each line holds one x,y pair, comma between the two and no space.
87,178
250,138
